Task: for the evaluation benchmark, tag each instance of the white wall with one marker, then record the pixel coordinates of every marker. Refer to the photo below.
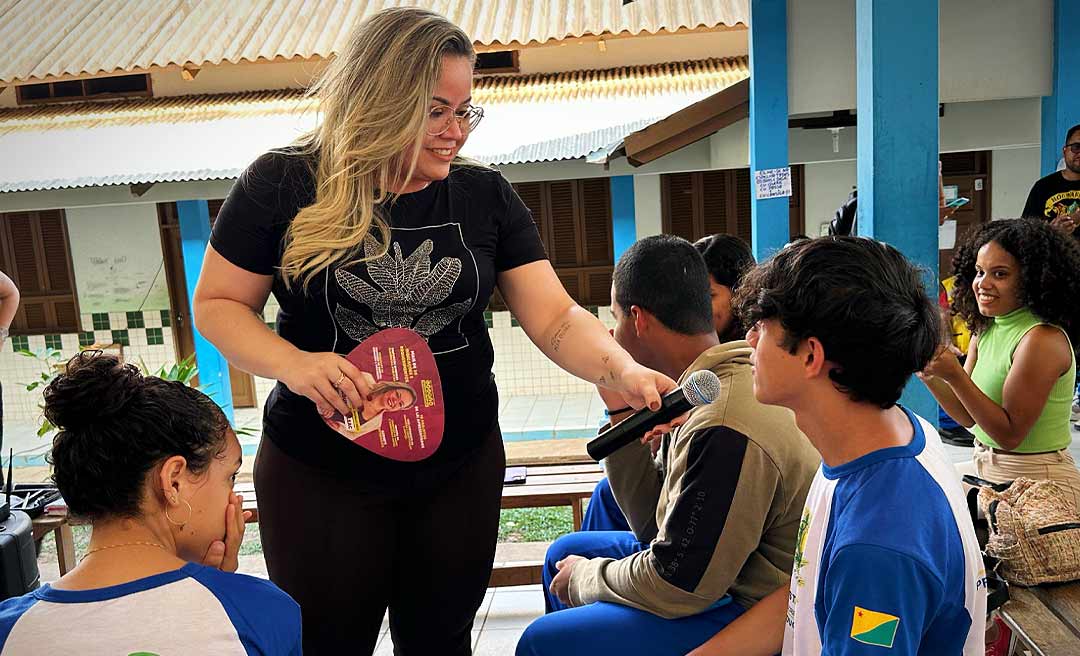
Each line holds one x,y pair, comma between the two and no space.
989,49
116,252
1012,172
991,124
827,186
647,209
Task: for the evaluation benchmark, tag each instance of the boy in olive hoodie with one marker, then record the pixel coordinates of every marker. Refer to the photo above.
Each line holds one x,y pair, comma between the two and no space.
714,525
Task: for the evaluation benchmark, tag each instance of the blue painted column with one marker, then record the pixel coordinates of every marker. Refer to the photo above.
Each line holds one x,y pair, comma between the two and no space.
897,69
1061,109
623,223
194,236
768,120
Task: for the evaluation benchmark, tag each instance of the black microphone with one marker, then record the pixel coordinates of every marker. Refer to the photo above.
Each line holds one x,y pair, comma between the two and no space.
701,388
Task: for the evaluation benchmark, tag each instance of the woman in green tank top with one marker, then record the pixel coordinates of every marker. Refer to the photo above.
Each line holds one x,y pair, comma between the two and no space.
1018,289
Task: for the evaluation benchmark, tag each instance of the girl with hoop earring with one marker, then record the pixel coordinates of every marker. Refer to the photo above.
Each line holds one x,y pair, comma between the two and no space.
151,465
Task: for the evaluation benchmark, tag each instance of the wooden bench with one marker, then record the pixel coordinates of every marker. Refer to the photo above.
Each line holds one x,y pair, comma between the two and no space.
1045,619
545,486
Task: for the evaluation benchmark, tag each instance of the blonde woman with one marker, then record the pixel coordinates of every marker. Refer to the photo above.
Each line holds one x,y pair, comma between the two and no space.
373,221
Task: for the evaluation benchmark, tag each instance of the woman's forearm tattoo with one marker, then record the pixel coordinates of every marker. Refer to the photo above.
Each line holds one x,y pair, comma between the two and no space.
557,338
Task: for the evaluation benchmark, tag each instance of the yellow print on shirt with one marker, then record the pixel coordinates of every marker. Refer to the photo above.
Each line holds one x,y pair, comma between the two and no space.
800,547
1060,205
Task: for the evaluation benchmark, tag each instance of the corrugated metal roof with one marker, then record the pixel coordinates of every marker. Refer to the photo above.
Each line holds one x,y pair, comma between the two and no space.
527,119
59,37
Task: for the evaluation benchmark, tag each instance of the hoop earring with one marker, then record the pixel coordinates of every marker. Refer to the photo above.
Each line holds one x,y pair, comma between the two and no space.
182,524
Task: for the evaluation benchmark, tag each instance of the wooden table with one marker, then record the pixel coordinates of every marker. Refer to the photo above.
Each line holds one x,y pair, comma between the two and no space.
1045,619
545,486
60,527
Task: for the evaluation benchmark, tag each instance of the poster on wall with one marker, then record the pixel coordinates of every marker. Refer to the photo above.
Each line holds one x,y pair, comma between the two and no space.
772,183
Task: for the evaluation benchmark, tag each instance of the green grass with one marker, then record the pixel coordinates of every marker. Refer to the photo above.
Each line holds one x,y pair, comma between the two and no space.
534,524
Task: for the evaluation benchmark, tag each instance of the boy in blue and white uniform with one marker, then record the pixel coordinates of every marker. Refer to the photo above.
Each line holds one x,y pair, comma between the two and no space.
887,557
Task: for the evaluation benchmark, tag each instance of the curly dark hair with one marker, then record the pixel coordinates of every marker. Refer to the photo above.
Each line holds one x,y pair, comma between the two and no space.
1049,272
861,299
116,425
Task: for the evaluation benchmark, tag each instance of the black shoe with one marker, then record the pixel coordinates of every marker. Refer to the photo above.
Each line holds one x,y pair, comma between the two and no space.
958,436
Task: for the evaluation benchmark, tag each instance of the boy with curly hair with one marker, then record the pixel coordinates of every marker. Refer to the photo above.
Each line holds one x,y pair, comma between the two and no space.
886,555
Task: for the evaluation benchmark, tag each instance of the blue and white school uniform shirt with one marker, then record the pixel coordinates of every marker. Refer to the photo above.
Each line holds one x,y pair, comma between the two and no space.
886,560
192,610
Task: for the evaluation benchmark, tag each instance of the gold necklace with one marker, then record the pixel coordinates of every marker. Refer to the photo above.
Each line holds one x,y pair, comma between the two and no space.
124,544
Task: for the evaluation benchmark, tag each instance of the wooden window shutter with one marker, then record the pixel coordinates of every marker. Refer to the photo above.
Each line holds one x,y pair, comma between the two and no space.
532,194
572,282
26,257
743,200
54,245
214,207
574,220
796,204
565,243
677,198
596,221
38,256
715,203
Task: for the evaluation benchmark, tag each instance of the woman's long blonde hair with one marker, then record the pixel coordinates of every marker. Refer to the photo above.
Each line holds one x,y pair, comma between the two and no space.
374,98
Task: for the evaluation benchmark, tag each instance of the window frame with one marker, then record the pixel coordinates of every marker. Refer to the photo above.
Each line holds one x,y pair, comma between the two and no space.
48,296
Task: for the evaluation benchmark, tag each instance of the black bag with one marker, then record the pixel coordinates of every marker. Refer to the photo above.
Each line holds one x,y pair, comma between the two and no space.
997,588
843,224
18,557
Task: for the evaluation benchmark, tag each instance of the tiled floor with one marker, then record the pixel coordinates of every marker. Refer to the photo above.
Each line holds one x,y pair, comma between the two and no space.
499,623
550,417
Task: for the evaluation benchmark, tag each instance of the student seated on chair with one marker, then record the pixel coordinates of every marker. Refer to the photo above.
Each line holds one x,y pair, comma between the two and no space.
887,561
723,508
726,257
151,465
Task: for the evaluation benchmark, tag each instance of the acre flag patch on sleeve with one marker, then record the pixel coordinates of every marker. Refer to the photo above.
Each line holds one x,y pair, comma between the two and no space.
872,628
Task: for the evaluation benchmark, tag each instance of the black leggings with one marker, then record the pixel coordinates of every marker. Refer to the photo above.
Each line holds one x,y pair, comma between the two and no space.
345,553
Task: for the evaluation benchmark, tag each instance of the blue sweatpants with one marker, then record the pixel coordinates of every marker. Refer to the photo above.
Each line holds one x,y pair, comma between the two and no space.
602,513
606,628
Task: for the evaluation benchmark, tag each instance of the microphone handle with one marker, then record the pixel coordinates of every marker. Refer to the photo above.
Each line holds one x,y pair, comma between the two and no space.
636,425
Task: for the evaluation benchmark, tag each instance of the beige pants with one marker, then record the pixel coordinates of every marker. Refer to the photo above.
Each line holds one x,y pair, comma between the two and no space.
1057,466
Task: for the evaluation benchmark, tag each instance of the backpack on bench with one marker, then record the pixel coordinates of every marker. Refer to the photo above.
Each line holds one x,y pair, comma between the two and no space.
1034,531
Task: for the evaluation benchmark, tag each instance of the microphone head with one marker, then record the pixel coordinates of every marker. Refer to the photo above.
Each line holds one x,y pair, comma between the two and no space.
701,387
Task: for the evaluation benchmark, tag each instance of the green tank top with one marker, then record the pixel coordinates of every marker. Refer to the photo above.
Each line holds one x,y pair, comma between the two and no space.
996,347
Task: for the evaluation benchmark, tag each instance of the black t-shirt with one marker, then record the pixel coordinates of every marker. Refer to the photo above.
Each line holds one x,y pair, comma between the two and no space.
1053,196
448,242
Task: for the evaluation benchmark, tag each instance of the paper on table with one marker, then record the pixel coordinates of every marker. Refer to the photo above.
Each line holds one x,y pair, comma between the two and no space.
947,235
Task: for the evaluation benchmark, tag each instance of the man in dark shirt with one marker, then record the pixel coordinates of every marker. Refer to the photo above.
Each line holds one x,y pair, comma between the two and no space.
1056,198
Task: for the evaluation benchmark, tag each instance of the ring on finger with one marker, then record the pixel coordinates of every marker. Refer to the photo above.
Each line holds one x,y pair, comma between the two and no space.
340,379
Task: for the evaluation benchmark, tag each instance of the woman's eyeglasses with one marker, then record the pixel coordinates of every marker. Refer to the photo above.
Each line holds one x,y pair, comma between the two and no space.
440,118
